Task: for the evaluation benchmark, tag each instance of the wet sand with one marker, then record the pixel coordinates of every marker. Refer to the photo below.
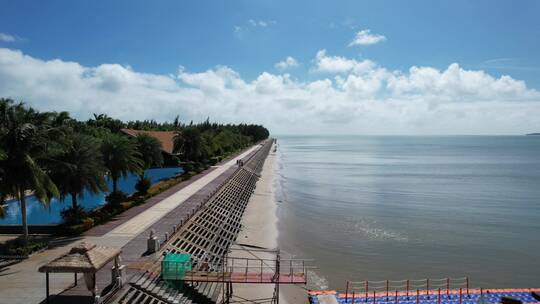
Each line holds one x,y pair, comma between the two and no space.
259,232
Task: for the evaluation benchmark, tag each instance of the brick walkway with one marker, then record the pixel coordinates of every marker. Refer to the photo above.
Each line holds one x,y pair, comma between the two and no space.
128,214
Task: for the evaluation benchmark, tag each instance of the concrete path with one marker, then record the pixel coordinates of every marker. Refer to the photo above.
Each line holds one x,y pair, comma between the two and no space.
139,223
22,283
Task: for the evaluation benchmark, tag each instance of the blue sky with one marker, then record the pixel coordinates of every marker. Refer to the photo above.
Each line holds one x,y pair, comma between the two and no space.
251,37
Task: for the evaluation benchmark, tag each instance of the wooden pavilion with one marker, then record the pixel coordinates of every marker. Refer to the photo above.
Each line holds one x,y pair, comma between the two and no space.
85,258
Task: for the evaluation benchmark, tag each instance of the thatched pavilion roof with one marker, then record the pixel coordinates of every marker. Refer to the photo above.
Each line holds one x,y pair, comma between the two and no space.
83,258
166,138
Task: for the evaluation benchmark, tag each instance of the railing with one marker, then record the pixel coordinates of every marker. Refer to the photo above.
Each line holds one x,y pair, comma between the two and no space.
208,197
409,288
249,270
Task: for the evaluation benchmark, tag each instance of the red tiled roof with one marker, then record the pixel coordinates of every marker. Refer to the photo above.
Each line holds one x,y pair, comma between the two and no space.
165,137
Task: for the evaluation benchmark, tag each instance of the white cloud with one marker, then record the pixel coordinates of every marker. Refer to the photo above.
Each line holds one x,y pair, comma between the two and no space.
507,64
358,97
260,23
252,24
8,38
337,64
289,62
239,31
365,37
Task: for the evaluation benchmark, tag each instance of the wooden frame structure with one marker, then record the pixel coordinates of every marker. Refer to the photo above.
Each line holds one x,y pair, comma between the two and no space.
84,258
241,270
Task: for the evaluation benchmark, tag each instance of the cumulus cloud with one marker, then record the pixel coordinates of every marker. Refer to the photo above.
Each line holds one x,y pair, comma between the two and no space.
289,62
351,96
337,64
8,38
365,37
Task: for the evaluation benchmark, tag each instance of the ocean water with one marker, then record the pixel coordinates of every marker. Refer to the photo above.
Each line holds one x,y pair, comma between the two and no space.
39,214
406,207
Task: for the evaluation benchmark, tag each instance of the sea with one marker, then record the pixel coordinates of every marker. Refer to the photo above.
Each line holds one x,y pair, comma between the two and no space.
411,207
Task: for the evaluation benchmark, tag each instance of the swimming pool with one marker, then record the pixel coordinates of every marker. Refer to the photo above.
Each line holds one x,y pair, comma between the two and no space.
38,214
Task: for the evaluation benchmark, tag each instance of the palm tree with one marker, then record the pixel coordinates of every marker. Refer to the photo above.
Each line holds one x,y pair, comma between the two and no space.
120,157
2,177
188,142
150,149
103,120
23,134
79,167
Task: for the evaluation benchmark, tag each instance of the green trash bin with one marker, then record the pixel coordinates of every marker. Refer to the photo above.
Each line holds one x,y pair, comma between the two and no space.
175,265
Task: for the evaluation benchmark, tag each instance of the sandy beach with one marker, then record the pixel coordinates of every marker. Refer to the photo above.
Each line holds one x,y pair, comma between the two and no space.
260,232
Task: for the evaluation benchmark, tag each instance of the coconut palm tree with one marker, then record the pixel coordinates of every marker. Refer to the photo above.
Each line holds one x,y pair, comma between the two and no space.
188,142
79,167
23,134
2,196
120,157
150,149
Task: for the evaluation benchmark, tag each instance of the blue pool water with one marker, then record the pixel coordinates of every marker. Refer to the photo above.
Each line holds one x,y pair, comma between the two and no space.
39,214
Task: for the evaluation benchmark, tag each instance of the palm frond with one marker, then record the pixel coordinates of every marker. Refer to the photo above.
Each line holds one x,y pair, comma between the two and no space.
43,186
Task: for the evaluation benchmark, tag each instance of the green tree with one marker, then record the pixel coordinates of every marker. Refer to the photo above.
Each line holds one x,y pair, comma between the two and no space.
2,177
79,167
189,143
24,139
150,150
120,157
104,121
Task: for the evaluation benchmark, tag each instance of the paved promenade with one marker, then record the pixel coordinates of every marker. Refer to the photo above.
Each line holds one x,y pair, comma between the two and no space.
22,283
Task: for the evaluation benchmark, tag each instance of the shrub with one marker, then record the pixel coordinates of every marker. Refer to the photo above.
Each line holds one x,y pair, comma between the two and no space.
115,198
139,200
188,167
126,205
188,175
143,185
199,167
73,215
73,229
87,223
17,247
100,215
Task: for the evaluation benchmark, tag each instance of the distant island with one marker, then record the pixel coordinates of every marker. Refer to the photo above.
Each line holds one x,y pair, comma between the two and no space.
533,134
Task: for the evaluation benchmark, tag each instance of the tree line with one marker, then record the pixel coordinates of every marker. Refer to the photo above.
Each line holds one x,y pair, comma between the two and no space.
51,154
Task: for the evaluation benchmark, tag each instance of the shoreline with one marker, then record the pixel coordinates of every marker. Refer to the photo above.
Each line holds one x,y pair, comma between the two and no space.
260,231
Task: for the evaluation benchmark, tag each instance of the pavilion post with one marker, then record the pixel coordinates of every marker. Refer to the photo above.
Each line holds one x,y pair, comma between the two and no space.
47,286
75,275
94,289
